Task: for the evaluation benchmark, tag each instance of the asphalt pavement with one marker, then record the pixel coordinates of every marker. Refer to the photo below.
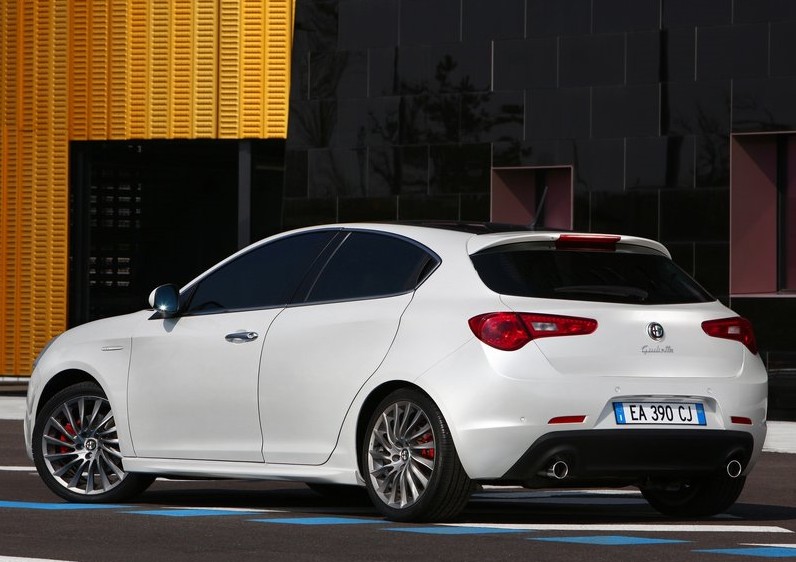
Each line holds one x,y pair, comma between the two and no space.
239,520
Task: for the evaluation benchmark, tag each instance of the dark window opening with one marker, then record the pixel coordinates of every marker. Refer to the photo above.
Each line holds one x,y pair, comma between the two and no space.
144,213
620,277
372,265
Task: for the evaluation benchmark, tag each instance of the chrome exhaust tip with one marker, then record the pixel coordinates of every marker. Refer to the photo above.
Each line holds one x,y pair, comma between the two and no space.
734,468
558,470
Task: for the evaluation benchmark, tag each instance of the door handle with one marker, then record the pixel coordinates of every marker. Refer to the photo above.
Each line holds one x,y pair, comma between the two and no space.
241,337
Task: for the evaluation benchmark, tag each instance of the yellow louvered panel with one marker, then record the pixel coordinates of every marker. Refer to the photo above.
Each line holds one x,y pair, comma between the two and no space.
8,65
229,69
6,339
205,69
159,68
9,248
279,35
99,59
114,69
182,68
119,70
41,186
58,188
139,49
79,69
252,79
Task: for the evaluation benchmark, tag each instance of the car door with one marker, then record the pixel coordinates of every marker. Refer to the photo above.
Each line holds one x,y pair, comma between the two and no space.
321,349
193,378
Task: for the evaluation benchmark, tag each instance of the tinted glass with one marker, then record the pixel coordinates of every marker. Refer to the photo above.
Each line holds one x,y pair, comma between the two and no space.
372,265
266,276
621,277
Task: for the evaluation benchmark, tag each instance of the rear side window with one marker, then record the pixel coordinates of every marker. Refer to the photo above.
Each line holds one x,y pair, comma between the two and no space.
371,265
621,277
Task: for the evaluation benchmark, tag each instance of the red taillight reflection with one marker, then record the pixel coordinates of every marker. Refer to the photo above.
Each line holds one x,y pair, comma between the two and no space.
509,331
737,328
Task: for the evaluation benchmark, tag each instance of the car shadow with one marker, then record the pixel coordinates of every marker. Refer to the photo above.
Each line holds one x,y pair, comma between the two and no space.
519,508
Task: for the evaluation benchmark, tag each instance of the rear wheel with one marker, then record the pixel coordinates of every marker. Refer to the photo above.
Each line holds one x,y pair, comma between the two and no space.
696,498
76,448
411,468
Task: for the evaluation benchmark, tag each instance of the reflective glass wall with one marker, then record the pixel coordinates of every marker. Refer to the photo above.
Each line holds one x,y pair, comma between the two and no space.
401,109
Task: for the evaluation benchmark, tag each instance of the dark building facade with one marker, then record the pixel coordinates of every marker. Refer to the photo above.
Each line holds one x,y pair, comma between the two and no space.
668,119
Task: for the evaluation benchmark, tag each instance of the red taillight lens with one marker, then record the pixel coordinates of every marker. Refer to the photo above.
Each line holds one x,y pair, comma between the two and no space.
510,331
501,330
737,328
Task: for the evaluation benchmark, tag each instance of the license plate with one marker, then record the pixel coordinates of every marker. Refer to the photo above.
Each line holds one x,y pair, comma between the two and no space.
660,413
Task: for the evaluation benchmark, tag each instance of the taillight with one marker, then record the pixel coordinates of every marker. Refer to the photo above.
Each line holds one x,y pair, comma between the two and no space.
510,331
605,242
737,328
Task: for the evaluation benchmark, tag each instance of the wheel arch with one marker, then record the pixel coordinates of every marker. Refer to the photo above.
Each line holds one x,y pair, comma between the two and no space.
61,381
369,405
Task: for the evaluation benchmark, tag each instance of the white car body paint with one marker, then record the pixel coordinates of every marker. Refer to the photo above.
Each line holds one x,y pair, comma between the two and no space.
287,405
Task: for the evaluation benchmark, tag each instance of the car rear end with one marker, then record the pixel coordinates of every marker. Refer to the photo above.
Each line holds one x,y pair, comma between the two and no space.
615,368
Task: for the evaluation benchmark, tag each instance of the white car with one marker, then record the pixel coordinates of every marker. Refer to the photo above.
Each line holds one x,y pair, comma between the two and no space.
417,362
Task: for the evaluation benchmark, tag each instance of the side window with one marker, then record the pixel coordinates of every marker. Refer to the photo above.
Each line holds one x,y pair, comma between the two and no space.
372,265
264,277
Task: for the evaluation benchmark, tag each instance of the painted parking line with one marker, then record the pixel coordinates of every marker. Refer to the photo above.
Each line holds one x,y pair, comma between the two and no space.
609,540
635,528
756,551
436,530
58,506
198,512
17,559
17,469
321,521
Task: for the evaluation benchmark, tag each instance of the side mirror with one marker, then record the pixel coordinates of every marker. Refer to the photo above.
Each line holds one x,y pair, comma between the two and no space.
165,300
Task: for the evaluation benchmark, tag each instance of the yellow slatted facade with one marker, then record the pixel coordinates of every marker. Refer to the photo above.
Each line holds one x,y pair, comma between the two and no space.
114,70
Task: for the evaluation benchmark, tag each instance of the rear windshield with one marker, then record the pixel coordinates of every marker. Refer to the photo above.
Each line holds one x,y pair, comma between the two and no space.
621,277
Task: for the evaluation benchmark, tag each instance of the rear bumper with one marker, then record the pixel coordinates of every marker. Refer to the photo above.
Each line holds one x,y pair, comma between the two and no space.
627,457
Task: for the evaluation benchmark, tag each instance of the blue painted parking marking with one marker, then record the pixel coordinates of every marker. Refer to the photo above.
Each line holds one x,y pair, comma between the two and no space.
193,512
609,540
759,552
455,530
57,506
321,521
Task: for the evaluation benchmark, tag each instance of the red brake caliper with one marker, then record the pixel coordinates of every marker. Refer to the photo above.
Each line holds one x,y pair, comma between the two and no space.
71,431
426,453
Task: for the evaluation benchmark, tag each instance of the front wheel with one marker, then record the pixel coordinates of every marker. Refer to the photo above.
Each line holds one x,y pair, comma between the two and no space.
700,497
76,448
411,469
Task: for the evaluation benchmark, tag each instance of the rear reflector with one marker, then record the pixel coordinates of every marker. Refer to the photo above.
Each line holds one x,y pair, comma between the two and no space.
509,331
605,242
741,420
736,328
567,419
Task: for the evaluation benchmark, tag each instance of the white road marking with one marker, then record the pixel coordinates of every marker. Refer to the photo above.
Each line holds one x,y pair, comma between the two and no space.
16,559
769,545
17,469
620,527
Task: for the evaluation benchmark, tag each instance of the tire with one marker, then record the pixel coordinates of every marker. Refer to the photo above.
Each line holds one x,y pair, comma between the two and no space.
410,465
698,498
76,448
